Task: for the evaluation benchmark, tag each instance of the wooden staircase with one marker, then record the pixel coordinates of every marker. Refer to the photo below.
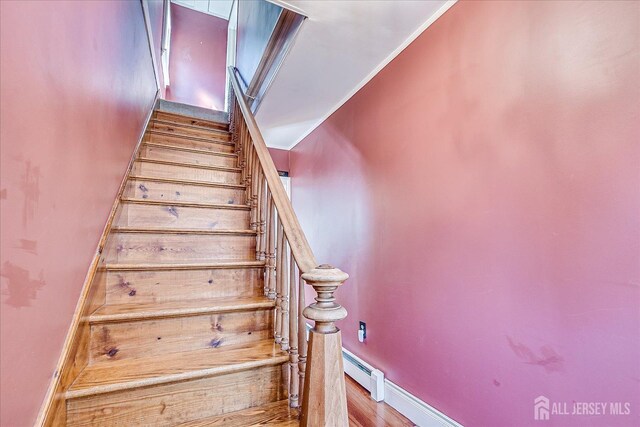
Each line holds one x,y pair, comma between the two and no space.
185,335
193,312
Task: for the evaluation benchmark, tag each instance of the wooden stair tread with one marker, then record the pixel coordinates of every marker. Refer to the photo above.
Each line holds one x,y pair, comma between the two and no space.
126,312
187,204
272,414
173,116
190,165
187,174
116,375
189,149
183,266
157,230
211,139
218,130
188,182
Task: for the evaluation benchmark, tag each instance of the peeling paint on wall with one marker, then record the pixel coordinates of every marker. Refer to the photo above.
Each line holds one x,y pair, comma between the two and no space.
20,287
30,186
548,358
30,246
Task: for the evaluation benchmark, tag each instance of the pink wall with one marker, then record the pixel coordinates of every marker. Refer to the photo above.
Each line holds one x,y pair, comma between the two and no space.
280,158
483,192
197,64
76,85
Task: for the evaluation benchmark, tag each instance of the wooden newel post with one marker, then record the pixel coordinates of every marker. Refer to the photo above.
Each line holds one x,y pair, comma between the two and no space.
324,399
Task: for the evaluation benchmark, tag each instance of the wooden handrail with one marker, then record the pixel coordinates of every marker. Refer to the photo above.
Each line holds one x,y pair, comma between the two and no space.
298,242
316,375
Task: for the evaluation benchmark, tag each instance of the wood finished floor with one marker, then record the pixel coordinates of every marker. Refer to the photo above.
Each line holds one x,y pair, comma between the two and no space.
366,412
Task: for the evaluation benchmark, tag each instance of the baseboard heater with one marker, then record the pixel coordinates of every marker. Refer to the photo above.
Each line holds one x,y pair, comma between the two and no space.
364,374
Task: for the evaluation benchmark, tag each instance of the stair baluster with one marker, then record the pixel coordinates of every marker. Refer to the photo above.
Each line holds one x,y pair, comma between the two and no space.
254,196
293,336
271,250
302,339
284,313
262,221
279,251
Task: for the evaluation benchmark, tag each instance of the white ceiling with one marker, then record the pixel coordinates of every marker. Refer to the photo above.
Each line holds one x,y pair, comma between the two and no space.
219,8
339,48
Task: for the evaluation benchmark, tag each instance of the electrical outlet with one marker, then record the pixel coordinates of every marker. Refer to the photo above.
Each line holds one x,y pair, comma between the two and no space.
362,333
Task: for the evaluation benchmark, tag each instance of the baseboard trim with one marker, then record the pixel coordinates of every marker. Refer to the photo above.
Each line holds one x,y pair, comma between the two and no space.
417,411
54,401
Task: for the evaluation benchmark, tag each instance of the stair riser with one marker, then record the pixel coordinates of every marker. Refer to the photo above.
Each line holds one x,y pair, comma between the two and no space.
203,159
154,170
177,141
275,414
150,190
171,404
130,248
125,340
136,215
186,130
163,115
141,287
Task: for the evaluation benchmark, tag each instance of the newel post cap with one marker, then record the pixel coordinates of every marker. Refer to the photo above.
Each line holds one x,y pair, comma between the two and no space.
325,279
325,275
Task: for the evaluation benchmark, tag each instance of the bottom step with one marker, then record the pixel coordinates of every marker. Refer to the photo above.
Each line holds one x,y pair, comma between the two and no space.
169,405
272,414
178,387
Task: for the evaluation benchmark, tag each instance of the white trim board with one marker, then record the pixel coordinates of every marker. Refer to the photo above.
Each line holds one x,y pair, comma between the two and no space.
286,183
416,410
147,24
376,70
218,8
